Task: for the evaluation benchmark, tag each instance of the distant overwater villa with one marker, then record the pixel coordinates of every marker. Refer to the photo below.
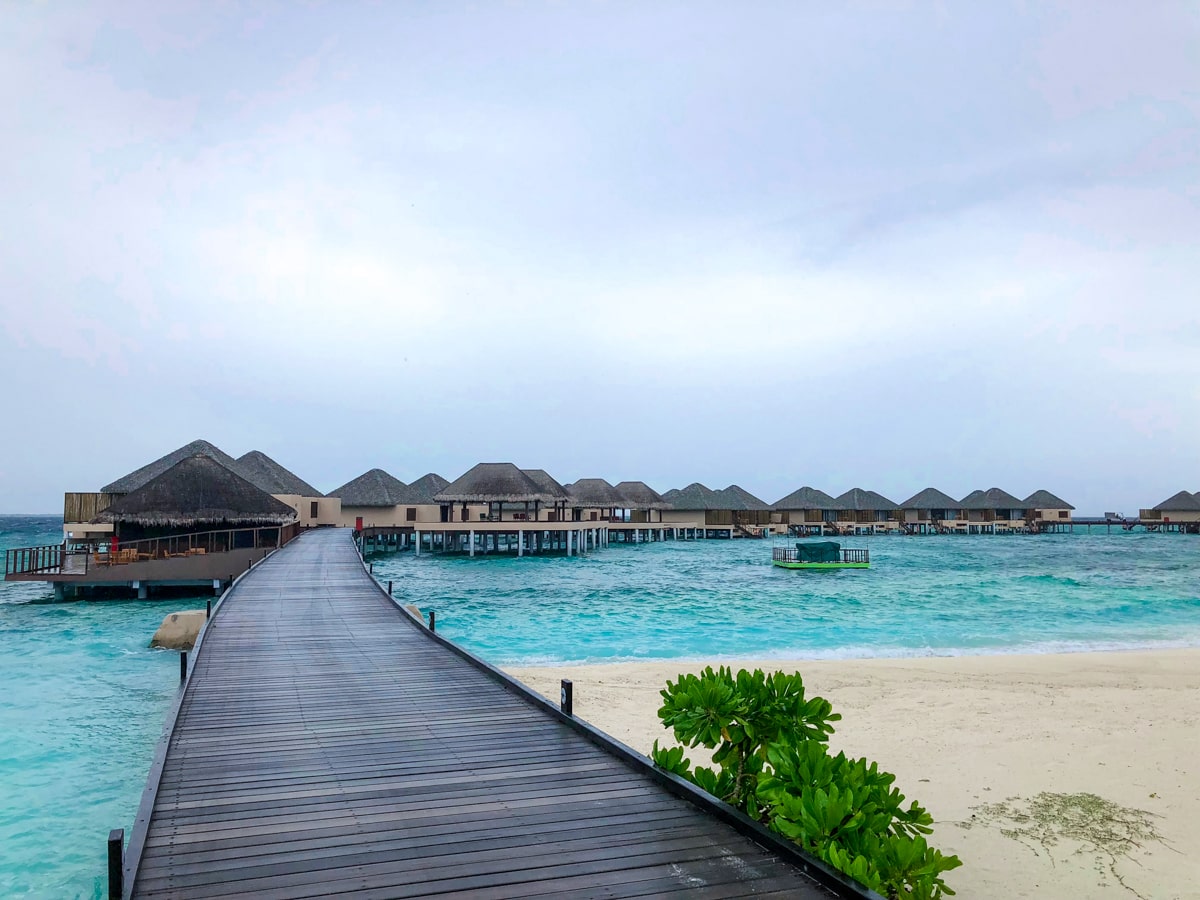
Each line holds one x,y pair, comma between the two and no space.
196,517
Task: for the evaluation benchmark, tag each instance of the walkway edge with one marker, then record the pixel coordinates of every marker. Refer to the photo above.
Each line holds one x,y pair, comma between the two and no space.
819,871
141,822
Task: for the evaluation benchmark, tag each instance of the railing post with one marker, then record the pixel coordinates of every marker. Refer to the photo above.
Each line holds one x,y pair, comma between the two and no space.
208,609
183,665
433,620
566,697
116,863
389,589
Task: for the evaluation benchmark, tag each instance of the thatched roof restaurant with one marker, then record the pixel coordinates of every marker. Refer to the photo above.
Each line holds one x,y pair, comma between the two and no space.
196,493
267,475
375,488
141,477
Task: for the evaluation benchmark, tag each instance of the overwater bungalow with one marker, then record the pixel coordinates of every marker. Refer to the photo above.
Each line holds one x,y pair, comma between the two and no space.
197,523
750,516
594,499
931,512
1179,512
494,492
641,501
373,499
807,511
993,511
420,503
499,508
866,512
1046,512
80,508
715,513
312,507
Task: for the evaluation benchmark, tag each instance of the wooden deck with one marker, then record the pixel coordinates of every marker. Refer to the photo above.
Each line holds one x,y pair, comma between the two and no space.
327,745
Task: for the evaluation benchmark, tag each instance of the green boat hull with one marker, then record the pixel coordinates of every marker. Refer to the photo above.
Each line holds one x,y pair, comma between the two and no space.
818,565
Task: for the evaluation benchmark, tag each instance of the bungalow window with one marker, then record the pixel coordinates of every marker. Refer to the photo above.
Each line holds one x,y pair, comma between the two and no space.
410,514
1063,514
312,509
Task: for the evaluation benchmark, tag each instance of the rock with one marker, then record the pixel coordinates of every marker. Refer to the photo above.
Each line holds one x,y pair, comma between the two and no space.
413,610
179,631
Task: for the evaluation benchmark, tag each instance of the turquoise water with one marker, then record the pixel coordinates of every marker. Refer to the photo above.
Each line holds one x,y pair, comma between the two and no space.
84,699
922,596
82,705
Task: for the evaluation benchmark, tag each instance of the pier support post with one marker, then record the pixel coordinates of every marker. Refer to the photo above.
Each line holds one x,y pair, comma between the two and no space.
116,864
520,544
566,697
417,546
471,542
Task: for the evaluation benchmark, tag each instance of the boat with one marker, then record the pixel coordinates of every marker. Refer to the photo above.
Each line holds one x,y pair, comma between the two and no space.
820,555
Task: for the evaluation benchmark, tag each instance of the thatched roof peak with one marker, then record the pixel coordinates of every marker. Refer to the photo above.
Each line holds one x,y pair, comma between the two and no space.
930,498
545,482
150,471
1181,502
639,495
1046,500
195,491
595,493
807,498
495,483
373,488
992,498
737,497
859,499
267,475
694,496
424,489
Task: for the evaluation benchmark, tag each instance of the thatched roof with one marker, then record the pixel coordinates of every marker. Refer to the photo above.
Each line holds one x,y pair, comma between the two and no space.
267,475
737,497
150,471
857,498
639,495
808,498
425,488
1046,500
992,498
694,496
930,498
198,491
595,493
495,483
1181,502
542,479
373,488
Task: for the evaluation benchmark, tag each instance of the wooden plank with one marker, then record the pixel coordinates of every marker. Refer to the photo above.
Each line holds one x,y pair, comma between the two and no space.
326,745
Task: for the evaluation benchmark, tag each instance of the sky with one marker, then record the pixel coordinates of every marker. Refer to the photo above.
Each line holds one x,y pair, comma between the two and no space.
877,245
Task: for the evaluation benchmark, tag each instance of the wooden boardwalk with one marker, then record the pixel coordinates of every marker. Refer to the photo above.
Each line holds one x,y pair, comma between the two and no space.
327,745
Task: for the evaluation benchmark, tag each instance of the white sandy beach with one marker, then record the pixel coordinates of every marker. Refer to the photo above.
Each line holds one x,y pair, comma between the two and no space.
978,739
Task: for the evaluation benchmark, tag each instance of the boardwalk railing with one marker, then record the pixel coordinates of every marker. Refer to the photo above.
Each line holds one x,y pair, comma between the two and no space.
783,554
78,559
31,560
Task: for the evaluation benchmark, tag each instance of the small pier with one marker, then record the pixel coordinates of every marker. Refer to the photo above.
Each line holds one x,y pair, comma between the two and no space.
326,743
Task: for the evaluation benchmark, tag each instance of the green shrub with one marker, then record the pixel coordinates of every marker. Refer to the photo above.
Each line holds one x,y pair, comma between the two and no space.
770,748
